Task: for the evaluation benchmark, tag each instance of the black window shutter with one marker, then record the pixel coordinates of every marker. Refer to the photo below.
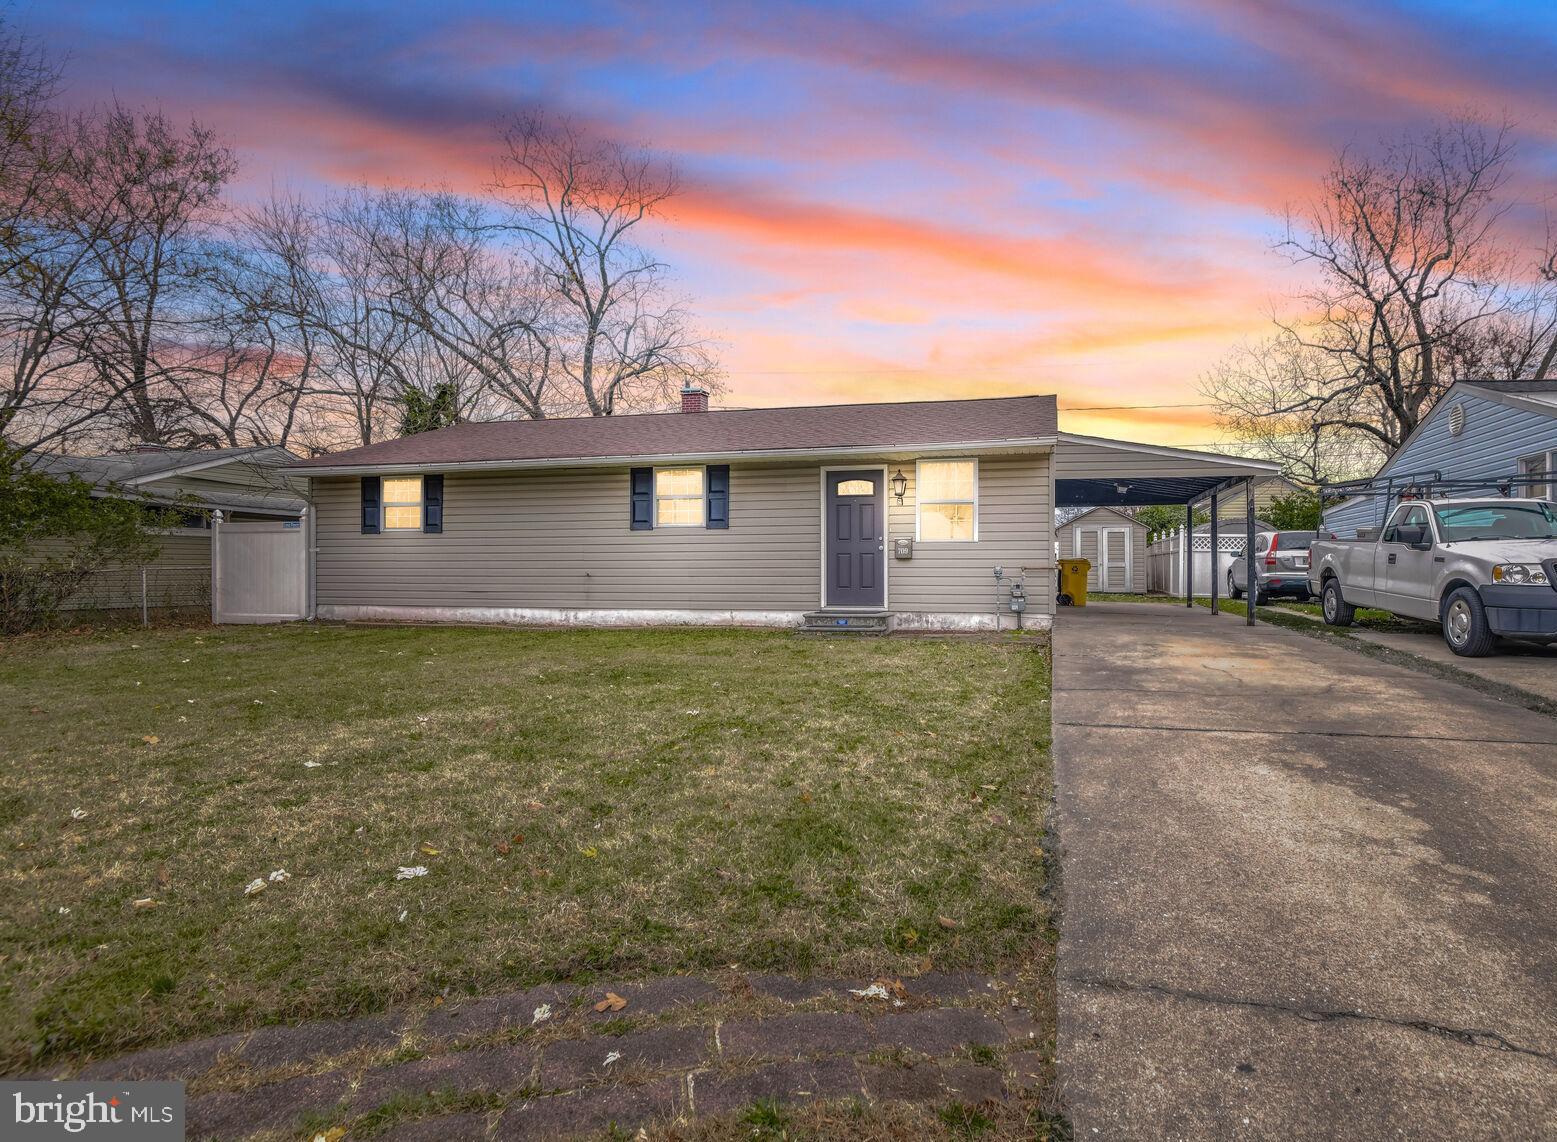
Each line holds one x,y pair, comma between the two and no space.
717,490
641,516
370,505
432,505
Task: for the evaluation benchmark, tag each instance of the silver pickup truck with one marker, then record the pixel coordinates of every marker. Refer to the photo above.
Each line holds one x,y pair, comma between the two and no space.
1481,568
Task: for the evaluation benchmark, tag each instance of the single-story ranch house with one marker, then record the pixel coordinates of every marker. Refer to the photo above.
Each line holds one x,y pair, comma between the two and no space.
893,513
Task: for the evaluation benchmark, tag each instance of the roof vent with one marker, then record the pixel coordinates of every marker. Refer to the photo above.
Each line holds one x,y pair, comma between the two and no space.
1456,418
693,399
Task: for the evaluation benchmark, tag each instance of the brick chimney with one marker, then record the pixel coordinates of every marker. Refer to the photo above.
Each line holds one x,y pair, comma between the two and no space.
693,399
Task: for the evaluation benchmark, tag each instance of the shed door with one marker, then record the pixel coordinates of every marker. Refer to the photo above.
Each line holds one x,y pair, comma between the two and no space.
1116,559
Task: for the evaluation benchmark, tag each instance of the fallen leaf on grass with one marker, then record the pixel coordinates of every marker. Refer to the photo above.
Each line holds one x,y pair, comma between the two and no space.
254,886
151,739
948,923
426,849
145,902
78,814
591,852
503,848
533,805
542,1013
279,875
333,1134
611,1002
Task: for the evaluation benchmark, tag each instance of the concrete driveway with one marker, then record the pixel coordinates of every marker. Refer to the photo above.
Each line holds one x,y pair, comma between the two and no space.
1306,894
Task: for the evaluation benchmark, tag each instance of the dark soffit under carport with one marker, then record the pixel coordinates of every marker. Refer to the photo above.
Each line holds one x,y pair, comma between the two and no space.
1138,492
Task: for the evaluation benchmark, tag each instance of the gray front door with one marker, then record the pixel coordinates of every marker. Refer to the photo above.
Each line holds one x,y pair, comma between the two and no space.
856,540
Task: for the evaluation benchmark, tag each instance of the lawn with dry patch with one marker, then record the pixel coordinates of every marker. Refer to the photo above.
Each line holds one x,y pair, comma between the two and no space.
584,803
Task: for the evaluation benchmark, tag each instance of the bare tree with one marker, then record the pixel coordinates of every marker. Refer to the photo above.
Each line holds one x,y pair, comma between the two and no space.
1409,270
482,312
618,335
1254,381
249,360
327,279
1521,343
159,190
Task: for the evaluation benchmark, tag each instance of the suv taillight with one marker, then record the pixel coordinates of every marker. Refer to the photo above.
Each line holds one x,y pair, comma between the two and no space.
1270,556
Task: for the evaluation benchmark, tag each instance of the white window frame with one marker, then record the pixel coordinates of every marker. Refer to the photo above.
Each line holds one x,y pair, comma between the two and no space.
920,501
654,494
1548,463
385,503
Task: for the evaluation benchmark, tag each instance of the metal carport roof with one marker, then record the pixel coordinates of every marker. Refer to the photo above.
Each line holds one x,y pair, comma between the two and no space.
1091,471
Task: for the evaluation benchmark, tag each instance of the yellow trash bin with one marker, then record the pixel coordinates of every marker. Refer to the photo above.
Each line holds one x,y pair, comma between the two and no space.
1073,582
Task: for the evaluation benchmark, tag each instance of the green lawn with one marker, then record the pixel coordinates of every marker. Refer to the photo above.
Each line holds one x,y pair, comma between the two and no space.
585,802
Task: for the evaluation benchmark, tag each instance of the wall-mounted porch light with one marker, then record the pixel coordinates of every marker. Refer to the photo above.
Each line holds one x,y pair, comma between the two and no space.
899,485
1122,489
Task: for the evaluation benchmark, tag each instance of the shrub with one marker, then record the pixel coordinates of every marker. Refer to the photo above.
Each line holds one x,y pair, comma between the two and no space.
55,535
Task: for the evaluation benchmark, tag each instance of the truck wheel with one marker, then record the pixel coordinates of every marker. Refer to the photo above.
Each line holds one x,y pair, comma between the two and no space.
1232,588
1465,626
1338,612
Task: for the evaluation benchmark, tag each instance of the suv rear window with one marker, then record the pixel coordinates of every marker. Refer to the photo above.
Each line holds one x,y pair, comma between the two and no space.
1287,540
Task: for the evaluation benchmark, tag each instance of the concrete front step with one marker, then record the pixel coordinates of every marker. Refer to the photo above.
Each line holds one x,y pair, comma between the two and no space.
847,622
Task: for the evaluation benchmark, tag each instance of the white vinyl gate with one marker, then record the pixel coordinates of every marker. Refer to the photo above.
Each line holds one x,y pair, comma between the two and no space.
259,571
1165,561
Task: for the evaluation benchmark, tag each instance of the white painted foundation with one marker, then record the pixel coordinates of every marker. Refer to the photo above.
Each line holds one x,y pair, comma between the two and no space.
600,617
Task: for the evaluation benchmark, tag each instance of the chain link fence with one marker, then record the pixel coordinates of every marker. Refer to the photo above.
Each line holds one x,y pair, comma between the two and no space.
154,590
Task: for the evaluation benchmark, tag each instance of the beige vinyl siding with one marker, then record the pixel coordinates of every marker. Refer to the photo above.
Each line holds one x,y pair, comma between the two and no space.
180,576
559,538
1088,525
1015,531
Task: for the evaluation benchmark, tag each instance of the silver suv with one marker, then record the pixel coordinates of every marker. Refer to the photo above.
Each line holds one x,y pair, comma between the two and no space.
1280,566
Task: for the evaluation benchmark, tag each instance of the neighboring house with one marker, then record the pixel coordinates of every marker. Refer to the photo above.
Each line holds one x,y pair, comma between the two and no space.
893,514
1230,508
244,483
1113,542
1479,430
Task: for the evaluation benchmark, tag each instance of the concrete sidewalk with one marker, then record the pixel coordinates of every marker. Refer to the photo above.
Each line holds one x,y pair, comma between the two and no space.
1307,894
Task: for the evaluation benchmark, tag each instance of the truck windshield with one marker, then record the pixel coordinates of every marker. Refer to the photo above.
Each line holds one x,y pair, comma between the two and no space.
1460,522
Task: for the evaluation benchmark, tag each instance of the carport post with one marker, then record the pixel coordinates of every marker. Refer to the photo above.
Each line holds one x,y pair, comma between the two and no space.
1189,554
1214,552
1248,546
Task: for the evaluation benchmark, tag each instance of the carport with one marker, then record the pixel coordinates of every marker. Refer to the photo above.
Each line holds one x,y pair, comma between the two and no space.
1091,471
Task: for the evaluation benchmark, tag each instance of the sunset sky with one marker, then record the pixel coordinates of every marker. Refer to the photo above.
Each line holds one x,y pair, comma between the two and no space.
884,201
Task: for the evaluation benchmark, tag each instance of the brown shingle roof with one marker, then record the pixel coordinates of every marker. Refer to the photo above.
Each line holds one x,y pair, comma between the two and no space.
762,430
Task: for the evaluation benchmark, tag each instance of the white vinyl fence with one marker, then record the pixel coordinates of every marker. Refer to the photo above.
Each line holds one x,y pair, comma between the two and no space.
259,571
1165,561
